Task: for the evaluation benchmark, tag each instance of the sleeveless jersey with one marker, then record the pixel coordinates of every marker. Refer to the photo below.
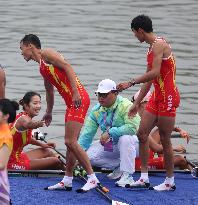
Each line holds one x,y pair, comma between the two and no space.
58,78
20,140
165,92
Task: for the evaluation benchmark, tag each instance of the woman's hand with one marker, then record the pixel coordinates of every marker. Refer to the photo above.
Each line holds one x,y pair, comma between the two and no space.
185,135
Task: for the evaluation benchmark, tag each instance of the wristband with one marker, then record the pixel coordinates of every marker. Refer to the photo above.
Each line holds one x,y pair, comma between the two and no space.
132,82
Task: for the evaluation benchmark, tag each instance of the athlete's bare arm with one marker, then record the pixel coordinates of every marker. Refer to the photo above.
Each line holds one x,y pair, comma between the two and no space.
49,95
2,83
25,122
158,52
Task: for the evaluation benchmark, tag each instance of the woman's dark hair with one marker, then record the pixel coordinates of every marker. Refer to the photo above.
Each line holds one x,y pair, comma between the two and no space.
27,98
143,22
9,107
31,38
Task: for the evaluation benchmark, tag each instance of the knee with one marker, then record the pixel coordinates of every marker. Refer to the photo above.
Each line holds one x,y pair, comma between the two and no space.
48,153
70,143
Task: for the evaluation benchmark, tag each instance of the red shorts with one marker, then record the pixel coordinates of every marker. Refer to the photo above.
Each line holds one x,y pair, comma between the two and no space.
165,107
78,114
22,163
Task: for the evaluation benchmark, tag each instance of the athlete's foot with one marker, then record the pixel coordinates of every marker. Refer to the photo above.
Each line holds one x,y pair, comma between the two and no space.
60,186
91,184
164,187
140,183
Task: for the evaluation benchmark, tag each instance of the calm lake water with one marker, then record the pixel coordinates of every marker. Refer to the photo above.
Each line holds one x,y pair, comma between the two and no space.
95,37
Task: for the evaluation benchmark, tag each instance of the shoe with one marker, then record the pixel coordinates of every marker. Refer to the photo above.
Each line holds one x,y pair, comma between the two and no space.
125,180
91,184
140,183
60,186
115,174
164,187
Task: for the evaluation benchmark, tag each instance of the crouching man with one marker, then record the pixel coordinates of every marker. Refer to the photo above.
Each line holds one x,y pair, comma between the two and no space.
118,133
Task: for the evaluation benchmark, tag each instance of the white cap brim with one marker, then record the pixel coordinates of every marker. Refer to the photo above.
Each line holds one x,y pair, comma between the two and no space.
102,91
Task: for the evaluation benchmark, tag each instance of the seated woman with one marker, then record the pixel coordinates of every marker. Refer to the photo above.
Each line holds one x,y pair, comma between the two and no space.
21,129
7,115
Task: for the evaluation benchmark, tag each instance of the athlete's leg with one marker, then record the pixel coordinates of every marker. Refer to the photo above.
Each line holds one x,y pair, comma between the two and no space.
39,153
46,163
147,123
72,131
166,125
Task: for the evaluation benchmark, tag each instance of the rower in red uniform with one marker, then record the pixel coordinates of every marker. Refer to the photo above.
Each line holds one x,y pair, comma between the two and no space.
21,129
165,98
161,108
57,72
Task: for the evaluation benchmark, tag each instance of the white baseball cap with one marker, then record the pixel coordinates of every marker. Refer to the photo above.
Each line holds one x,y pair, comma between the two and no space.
145,99
106,86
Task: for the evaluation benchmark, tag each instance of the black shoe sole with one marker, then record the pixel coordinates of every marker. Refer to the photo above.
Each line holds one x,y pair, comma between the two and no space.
65,189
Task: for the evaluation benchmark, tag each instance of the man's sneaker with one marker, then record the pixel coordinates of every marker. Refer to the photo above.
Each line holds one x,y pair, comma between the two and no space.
60,186
125,180
140,183
164,187
115,174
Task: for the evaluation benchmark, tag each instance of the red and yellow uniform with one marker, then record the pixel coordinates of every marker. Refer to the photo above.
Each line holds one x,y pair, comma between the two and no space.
153,162
5,138
165,98
18,159
58,78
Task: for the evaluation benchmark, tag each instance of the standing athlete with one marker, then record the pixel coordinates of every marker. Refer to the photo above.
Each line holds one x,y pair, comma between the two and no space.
57,72
161,108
